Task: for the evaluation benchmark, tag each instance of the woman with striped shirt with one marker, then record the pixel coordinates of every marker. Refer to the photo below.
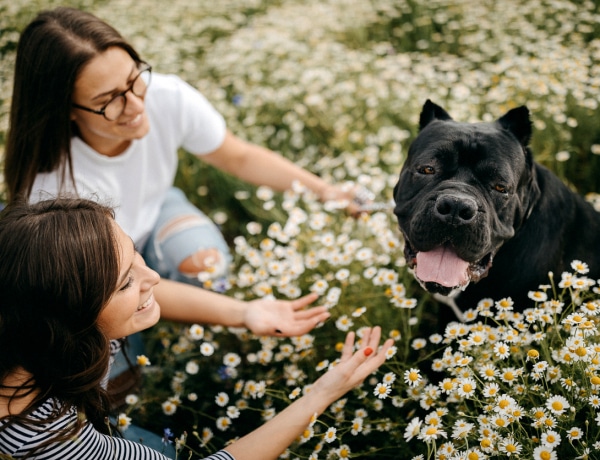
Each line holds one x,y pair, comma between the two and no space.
71,282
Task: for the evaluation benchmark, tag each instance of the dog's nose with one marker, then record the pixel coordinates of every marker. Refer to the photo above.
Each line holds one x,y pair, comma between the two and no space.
455,209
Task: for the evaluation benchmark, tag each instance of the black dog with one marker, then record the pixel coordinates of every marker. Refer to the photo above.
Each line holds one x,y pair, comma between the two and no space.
481,219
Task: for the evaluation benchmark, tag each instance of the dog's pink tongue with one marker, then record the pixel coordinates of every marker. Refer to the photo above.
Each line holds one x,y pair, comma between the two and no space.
442,266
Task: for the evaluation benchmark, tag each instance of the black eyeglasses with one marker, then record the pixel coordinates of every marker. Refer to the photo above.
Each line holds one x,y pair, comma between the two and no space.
116,106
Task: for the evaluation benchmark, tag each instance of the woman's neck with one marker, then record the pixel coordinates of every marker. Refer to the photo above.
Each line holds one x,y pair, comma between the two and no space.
107,146
109,149
14,396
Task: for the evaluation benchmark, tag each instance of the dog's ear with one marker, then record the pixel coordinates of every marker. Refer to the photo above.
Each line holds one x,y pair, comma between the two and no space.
529,196
432,112
518,123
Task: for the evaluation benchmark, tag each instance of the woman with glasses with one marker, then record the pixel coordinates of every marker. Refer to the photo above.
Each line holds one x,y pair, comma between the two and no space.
71,279
88,117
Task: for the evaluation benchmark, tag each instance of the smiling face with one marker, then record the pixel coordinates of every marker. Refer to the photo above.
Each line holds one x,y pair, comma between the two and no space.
132,308
105,76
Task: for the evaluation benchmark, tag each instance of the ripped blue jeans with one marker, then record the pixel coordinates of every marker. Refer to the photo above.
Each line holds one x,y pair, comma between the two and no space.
180,231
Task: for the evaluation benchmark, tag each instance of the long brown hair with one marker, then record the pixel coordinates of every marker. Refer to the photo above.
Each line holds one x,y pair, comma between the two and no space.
52,51
59,266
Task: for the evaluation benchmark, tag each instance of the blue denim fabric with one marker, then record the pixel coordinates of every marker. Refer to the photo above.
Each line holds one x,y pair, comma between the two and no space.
164,253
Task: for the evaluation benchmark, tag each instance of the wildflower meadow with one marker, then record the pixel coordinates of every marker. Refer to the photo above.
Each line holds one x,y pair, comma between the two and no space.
337,86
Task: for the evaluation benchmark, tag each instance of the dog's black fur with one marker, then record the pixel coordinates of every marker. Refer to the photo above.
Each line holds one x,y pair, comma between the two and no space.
475,189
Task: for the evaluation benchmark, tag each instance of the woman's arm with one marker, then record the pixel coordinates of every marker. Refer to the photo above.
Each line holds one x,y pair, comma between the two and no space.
190,304
272,438
260,166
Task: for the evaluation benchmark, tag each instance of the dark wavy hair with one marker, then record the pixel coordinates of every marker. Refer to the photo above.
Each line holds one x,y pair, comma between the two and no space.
59,267
52,51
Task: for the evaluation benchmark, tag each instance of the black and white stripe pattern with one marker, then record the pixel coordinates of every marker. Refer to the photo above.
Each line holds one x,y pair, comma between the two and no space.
18,440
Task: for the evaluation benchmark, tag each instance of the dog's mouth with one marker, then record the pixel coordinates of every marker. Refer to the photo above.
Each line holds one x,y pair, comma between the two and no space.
442,271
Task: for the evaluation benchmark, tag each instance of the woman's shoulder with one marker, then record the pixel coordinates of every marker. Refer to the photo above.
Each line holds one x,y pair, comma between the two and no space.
180,112
22,438
169,89
22,435
169,84
37,436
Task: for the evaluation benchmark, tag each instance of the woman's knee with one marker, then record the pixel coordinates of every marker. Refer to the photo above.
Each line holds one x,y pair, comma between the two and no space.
205,264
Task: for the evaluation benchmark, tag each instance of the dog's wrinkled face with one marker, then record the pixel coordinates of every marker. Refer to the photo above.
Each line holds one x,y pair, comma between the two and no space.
463,191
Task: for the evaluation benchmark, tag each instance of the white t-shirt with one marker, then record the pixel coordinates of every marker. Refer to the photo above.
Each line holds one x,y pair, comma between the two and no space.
135,182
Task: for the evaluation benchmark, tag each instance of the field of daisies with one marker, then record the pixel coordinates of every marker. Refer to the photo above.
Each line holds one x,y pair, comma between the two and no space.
337,86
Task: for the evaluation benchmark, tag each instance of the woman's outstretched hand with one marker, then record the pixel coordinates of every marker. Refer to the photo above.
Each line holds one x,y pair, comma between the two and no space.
270,440
284,318
355,200
354,366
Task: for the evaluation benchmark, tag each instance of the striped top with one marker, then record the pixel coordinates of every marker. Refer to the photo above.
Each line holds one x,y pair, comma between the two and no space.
18,440
21,440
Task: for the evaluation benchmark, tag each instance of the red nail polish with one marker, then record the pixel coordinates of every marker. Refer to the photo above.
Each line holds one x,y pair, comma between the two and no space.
368,351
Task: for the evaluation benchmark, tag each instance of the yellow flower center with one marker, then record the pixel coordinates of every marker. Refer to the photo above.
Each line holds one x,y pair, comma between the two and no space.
581,351
533,354
503,404
557,405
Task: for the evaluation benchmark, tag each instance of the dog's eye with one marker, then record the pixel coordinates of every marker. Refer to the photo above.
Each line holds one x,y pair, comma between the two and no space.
426,170
500,188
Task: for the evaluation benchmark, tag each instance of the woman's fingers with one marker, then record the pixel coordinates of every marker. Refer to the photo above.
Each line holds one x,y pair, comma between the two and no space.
303,301
311,312
369,345
354,365
374,337
348,346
